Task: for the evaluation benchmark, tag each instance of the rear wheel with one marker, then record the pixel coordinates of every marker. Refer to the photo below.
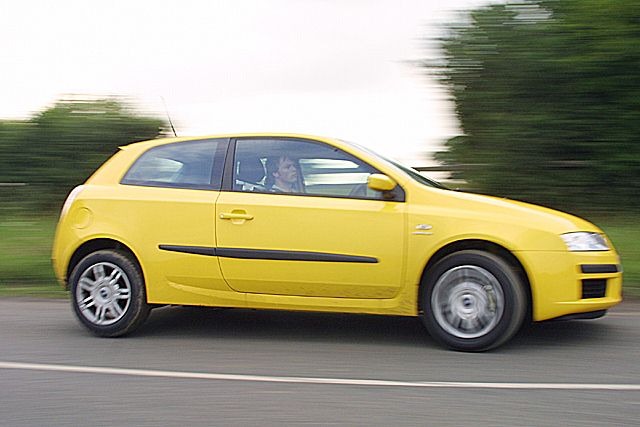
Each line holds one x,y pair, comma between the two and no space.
473,301
108,293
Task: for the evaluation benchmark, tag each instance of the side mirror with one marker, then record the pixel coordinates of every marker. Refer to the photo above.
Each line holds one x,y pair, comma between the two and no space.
380,182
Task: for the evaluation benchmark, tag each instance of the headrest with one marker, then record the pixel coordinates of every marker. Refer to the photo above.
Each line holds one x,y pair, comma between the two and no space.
251,170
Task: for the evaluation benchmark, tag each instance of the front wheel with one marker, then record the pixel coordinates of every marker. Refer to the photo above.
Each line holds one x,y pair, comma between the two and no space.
108,293
473,301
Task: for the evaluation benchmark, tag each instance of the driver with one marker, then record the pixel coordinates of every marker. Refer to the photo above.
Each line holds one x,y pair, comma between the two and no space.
282,175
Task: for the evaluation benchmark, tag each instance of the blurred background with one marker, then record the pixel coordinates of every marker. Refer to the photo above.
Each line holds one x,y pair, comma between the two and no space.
532,100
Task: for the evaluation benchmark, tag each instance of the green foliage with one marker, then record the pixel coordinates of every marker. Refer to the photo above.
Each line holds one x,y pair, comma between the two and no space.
549,102
60,147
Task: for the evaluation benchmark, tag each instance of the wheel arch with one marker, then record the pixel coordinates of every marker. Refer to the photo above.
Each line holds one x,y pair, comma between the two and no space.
483,245
97,244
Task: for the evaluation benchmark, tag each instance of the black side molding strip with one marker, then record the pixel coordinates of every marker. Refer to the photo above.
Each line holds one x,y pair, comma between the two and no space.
599,268
199,250
291,255
268,254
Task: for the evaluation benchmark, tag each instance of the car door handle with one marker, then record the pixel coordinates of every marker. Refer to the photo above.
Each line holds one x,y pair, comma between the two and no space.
233,215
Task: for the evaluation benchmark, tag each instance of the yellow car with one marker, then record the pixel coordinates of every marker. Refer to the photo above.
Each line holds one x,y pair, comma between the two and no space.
293,222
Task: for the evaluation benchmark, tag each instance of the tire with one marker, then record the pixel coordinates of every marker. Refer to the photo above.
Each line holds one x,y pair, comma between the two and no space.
473,301
108,293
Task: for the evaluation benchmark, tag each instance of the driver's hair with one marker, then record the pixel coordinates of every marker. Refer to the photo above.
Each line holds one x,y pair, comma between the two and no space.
273,164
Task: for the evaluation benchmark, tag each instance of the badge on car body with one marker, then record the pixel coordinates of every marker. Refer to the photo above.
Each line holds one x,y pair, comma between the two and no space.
423,227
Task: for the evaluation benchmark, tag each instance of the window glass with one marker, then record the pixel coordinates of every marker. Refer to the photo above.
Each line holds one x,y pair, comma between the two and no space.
180,165
414,174
300,167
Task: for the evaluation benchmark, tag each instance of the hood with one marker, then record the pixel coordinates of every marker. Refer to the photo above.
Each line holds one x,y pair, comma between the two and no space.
515,212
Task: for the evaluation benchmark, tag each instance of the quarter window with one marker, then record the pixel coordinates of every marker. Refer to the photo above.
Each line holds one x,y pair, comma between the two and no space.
192,164
300,167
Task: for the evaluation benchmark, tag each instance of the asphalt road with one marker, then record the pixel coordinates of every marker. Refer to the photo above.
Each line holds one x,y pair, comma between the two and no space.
309,369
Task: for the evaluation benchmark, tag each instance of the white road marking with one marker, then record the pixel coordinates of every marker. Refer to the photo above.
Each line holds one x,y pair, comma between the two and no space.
310,380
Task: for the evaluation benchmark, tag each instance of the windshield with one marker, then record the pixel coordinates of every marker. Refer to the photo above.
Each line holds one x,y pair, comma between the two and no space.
414,174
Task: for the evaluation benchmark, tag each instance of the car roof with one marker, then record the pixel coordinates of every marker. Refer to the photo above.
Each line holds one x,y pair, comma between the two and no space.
162,141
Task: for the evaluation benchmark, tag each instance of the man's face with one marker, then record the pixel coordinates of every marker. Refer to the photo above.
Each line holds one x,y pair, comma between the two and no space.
286,171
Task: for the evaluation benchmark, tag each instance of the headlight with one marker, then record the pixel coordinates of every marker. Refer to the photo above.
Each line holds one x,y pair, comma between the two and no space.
583,241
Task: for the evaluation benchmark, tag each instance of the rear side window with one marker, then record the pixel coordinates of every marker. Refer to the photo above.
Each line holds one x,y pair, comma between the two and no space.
192,164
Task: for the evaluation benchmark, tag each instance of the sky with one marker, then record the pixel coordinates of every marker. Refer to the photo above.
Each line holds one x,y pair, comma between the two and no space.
343,69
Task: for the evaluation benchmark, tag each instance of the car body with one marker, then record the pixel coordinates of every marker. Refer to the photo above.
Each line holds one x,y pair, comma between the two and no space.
193,221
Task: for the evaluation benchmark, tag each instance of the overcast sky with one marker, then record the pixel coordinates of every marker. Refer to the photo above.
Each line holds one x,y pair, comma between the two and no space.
329,67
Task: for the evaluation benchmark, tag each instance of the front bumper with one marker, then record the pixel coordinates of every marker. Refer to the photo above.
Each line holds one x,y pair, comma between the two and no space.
562,286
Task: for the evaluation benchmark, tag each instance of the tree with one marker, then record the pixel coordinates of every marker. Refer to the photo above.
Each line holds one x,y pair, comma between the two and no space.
548,98
60,147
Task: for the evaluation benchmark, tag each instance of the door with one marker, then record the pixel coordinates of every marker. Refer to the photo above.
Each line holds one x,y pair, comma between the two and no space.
299,220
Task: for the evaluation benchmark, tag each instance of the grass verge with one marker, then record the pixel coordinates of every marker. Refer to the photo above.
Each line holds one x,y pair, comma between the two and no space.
624,232
25,256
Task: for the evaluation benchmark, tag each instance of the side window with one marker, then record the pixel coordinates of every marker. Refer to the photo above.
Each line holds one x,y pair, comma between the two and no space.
191,164
300,167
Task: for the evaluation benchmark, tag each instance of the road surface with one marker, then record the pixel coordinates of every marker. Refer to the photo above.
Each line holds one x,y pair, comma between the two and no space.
244,367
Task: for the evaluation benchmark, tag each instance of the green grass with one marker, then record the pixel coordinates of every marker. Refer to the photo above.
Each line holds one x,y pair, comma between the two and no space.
25,253
25,256
624,232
